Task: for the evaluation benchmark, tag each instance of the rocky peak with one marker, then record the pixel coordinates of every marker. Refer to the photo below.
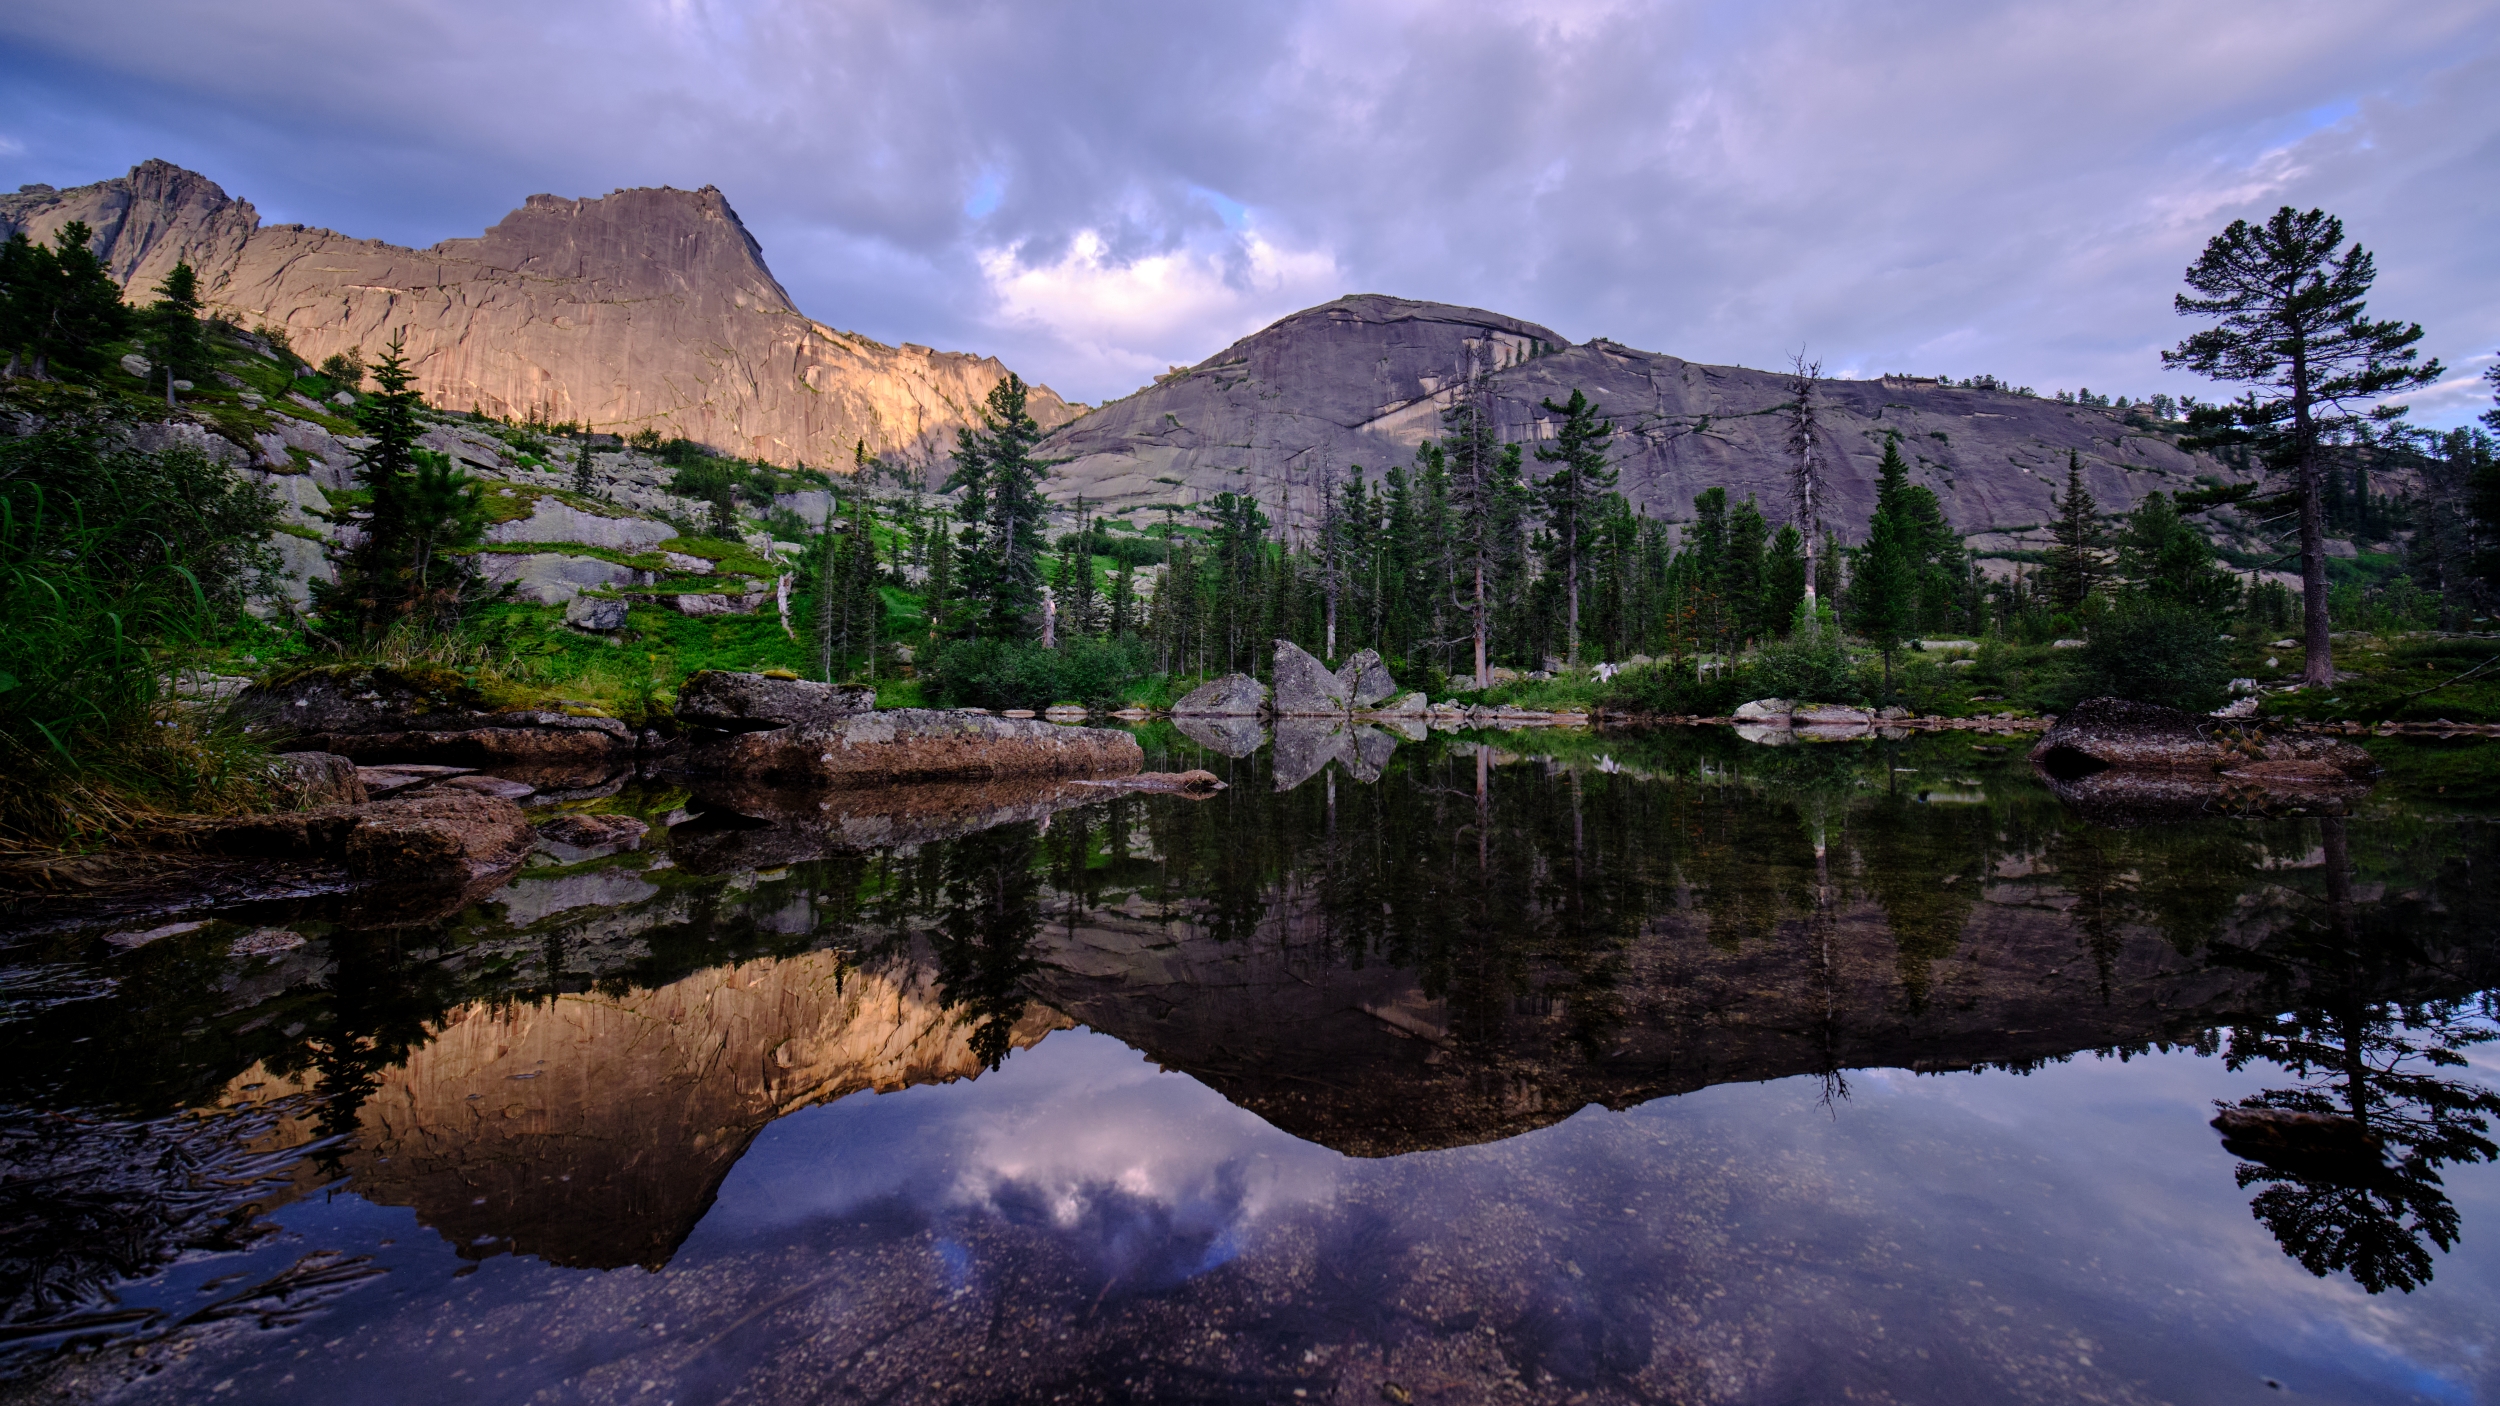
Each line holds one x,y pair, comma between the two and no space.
647,308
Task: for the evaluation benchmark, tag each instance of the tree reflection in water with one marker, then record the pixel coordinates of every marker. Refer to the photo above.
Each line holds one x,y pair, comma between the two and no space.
984,937
2354,1186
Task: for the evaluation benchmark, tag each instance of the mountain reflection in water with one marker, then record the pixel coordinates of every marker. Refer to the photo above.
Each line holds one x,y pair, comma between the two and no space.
1374,947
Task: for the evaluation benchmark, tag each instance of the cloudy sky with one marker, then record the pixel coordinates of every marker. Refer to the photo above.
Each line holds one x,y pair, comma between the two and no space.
1098,191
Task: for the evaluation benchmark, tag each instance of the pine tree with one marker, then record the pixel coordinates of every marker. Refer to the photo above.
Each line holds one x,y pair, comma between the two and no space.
1006,520
66,306
2073,565
1572,496
173,329
2292,322
584,480
1883,589
2167,560
1784,580
420,524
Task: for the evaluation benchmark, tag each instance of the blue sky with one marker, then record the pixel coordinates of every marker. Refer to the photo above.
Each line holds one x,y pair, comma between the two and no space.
1096,192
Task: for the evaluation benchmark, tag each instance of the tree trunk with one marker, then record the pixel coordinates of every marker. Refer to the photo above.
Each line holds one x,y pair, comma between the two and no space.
1483,678
2318,667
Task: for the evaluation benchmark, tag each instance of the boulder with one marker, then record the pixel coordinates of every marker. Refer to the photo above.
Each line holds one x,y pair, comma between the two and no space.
1830,715
551,520
1365,680
432,837
1764,710
381,714
716,603
1406,705
2102,734
1306,688
604,614
1232,696
311,779
912,745
731,702
552,578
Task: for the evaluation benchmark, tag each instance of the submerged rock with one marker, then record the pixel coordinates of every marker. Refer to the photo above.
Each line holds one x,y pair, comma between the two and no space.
1178,783
433,837
1232,696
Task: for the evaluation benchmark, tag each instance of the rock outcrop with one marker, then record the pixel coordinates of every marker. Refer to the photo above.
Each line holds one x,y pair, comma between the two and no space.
1232,696
2105,734
1307,688
1363,380
641,309
434,837
734,702
387,715
906,745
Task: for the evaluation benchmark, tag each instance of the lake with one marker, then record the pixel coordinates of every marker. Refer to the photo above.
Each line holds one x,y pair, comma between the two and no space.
1539,1066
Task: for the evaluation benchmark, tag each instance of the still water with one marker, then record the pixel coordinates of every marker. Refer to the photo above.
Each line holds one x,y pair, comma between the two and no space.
1660,1067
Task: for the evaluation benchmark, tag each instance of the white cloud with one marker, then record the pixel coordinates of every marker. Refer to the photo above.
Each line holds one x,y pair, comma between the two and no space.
1136,316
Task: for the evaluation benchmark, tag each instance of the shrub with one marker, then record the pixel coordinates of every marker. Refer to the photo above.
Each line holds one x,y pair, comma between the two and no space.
1805,671
1672,690
989,673
2149,652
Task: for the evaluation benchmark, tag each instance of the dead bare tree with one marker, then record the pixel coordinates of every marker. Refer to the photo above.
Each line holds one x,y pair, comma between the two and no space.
1805,471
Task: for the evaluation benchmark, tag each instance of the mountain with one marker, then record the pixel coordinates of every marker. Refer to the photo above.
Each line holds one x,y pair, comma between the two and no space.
1363,380
648,308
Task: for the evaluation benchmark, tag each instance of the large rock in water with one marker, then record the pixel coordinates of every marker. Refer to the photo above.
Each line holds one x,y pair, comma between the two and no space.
716,698
913,745
1366,681
382,714
2104,734
1232,696
436,837
1364,379
1306,688
644,308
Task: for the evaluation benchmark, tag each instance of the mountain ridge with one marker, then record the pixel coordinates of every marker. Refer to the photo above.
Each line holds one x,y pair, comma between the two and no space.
646,308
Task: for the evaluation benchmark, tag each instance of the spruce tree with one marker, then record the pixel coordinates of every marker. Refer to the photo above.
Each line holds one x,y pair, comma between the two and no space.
2166,560
69,304
1572,496
2291,323
1006,520
1784,580
1883,589
584,481
173,329
420,521
2073,564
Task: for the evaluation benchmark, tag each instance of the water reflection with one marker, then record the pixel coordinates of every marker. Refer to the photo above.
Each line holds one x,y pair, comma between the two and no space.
1443,946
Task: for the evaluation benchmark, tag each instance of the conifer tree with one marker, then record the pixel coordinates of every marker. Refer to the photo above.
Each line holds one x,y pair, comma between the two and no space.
1784,579
2167,560
173,329
421,521
1571,498
2291,321
1883,589
2074,562
1005,518
584,480
65,306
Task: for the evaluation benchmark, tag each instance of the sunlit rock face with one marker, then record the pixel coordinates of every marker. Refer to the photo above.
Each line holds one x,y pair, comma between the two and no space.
593,1129
1363,380
642,309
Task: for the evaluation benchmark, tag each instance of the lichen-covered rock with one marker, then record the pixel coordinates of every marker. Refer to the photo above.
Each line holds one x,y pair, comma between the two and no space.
1764,710
604,614
1407,705
1306,688
2101,734
911,745
311,779
552,578
1365,679
1232,696
734,702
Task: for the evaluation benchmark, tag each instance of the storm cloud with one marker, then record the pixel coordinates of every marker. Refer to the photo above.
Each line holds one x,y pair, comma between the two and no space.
1097,191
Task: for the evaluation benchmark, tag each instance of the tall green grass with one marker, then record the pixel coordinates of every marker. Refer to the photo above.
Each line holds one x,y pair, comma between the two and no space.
116,567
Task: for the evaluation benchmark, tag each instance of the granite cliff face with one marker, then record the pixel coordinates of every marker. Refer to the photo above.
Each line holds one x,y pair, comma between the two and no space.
641,309
1363,380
